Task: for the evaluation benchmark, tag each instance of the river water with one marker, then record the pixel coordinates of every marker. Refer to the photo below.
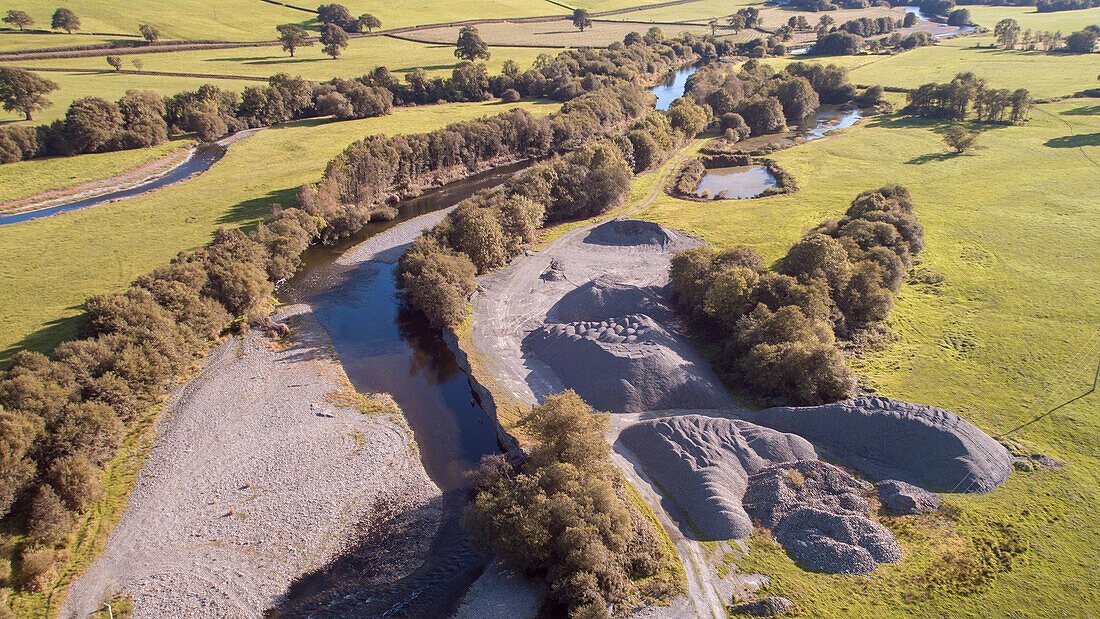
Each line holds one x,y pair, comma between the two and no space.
199,161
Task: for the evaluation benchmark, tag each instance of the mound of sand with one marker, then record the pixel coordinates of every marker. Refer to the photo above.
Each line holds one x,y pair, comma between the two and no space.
634,233
626,365
704,463
604,299
819,514
891,439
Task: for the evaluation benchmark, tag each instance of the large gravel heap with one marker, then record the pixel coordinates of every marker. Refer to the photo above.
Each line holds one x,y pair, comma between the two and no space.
603,298
704,463
631,232
819,514
626,365
891,439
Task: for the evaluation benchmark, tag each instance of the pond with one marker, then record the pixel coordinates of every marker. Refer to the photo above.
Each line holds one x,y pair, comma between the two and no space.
737,182
827,118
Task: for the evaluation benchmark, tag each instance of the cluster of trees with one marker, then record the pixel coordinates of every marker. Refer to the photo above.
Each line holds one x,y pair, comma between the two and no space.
91,125
1009,36
955,99
338,15
776,331
827,5
870,26
1050,6
62,19
487,231
758,100
564,514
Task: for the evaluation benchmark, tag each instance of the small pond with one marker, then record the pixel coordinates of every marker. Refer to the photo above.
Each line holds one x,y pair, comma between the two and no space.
737,182
828,117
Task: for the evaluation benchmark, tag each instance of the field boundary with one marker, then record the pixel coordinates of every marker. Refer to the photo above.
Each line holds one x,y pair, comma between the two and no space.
213,76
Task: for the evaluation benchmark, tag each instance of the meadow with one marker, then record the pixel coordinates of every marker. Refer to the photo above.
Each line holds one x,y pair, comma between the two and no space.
1014,228
103,248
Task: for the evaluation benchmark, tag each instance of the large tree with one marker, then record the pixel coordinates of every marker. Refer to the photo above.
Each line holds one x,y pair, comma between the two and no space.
24,92
334,39
19,19
1007,31
64,19
470,46
581,19
370,22
293,37
150,32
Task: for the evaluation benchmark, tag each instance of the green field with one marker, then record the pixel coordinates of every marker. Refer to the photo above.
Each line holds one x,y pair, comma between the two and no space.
1027,17
16,41
27,178
102,249
359,58
1014,227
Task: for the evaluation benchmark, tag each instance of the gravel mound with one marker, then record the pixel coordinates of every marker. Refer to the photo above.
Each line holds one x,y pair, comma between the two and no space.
631,232
891,439
602,299
705,464
764,607
902,498
626,365
819,514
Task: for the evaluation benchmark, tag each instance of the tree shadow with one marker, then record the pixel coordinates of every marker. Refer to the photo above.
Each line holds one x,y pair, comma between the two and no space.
1074,141
932,157
48,337
286,60
1086,110
432,67
254,210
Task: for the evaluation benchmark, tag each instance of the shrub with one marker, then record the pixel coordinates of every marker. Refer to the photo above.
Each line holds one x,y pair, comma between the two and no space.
18,433
77,481
49,520
437,281
36,568
510,96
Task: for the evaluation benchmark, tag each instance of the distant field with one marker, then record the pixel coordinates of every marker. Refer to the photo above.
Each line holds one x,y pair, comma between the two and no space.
1066,21
360,57
704,9
27,178
559,33
15,41
1014,227
101,249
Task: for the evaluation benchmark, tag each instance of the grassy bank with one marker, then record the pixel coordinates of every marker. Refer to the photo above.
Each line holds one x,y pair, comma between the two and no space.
27,178
102,249
1013,227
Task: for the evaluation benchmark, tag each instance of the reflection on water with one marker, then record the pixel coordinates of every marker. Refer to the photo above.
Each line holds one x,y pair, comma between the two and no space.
828,117
736,182
673,87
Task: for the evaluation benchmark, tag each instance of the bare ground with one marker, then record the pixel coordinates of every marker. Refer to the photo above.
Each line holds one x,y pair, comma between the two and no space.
257,477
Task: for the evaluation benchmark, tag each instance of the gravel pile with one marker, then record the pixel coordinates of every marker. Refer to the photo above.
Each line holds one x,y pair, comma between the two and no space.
603,299
257,477
765,607
705,464
819,514
633,233
891,439
902,498
626,365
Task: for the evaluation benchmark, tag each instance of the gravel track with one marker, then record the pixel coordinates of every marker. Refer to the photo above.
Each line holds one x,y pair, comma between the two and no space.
256,477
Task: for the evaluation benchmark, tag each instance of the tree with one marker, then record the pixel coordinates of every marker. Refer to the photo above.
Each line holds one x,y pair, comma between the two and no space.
19,19
293,37
470,46
64,19
838,43
339,15
581,20
713,27
334,39
370,22
960,139
149,32
797,96
24,92
959,17
1007,31
90,123
825,21
910,20
138,64
1081,42
115,61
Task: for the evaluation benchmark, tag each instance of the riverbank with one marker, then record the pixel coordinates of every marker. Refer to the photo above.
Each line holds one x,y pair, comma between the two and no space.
265,467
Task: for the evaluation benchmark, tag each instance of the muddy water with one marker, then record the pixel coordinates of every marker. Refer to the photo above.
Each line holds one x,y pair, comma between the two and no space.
385,346
736,182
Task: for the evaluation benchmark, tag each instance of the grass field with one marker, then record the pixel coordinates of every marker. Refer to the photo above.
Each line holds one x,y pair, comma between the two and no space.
27,178
360,57
1027,17
101,249
1014,227
16,41
702,10
558,33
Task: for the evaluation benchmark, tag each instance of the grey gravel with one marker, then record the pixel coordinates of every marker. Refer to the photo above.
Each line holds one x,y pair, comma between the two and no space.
764,607
254,479
902,498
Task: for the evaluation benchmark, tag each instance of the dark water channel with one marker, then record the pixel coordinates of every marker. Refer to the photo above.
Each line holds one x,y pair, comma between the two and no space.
385,346
198,162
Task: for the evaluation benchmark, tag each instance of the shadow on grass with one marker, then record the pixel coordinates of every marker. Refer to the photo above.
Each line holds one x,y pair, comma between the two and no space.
1074,141
47,338
932,157
248,213
431,67
1087,110
286,60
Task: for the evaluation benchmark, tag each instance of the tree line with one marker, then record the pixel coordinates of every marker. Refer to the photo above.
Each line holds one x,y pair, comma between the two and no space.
965,93
775,332
1010,36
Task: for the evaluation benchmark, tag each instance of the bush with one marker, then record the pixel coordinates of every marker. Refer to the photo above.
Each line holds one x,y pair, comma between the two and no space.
763,115
36,568
437,281
18,433
77,481
49,520
510,95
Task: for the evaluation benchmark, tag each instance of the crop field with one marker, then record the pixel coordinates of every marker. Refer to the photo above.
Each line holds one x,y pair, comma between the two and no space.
27,178
1014,228
103,248
360,57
